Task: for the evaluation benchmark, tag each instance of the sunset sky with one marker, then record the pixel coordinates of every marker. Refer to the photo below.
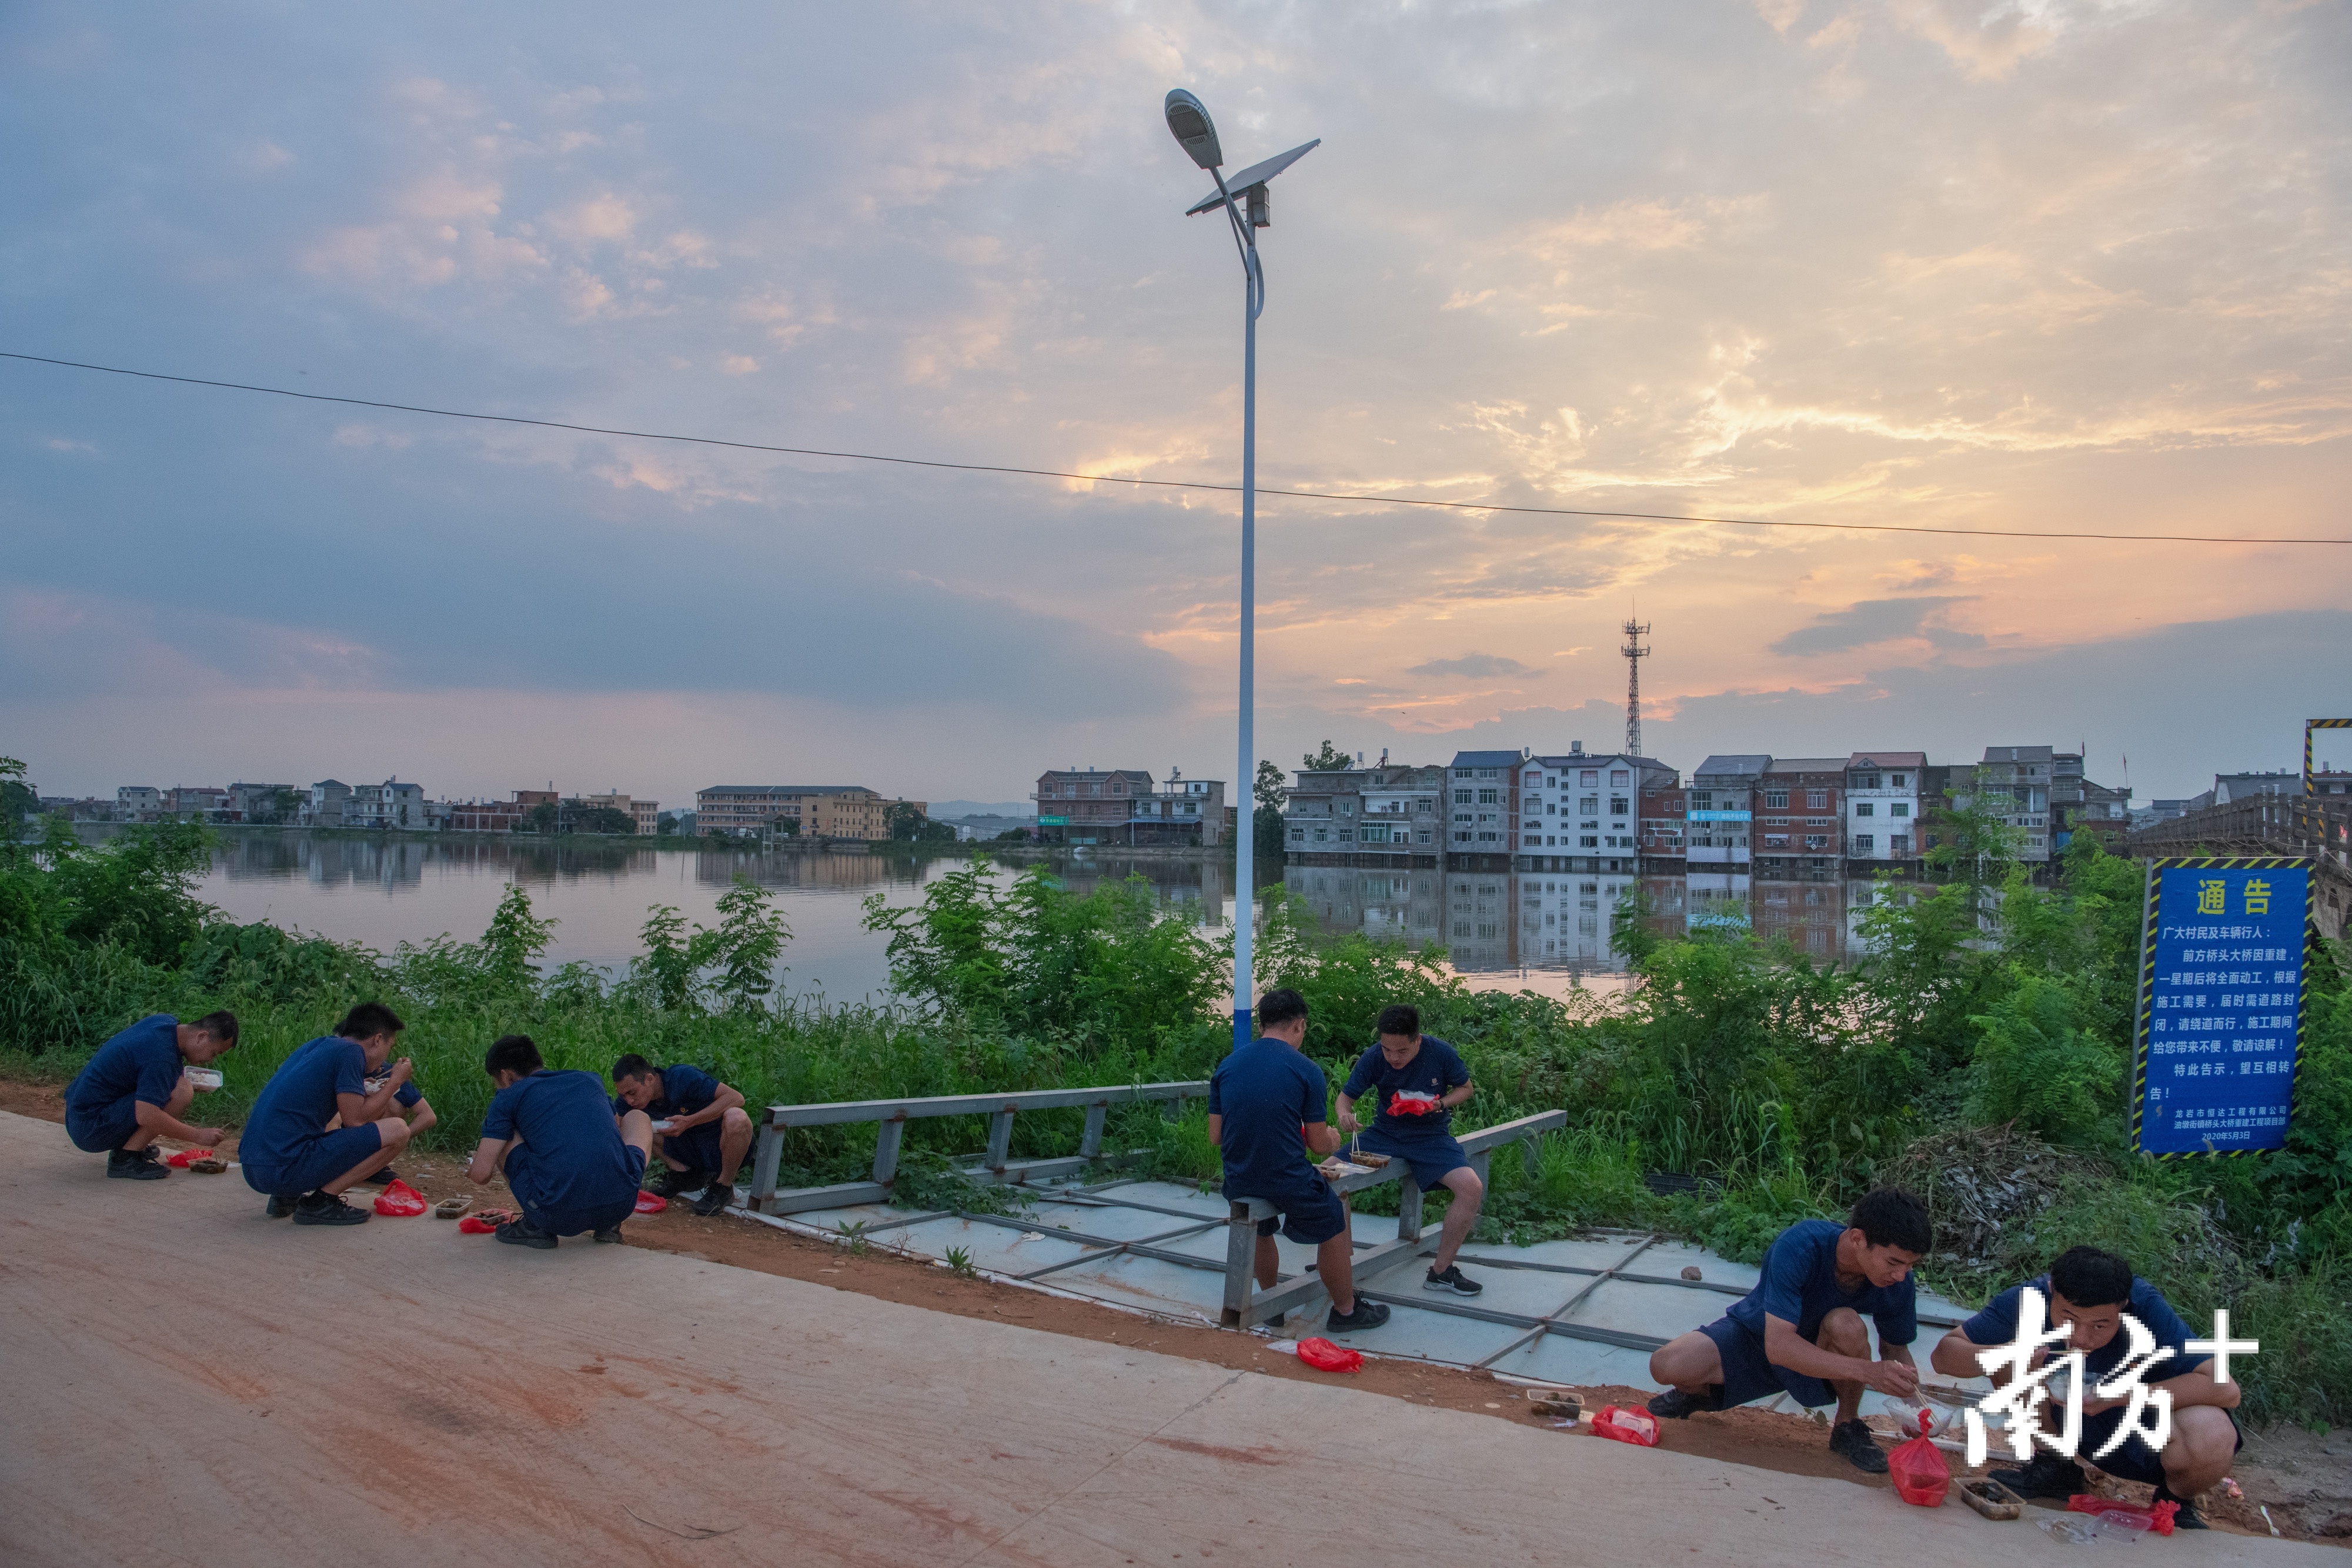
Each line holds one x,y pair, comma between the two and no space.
2074,265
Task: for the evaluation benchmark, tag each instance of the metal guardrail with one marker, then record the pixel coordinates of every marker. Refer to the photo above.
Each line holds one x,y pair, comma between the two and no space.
996,1165
1245,1309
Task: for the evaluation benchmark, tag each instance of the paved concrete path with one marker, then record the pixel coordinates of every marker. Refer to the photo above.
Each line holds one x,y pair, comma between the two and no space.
189,1382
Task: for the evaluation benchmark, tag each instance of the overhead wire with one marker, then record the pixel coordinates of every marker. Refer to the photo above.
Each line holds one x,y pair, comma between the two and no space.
1263,492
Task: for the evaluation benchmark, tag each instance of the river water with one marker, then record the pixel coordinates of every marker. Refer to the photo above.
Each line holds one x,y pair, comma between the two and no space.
1546,931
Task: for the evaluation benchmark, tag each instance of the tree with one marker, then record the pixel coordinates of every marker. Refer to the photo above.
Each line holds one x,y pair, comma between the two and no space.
543,817
903,821
1268,789
516,938
1327,760
1266,822
745,948
603,820
17,800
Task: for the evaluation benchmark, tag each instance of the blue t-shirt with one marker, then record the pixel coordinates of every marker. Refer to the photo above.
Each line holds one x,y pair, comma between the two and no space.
142,1060
407,1094
1435,1070
571,1155
1996,1324
1800,1284
300,1100
685,1090
1264,1092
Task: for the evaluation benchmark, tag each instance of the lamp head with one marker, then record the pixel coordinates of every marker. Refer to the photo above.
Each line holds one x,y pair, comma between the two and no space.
1189,122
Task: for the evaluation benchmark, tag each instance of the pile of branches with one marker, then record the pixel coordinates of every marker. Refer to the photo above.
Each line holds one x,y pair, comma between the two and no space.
1980,1181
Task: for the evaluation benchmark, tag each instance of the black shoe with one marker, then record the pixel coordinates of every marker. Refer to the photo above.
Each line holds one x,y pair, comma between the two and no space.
318,1208
136,1165
609,1234
714,1199
2049,1474
523,1233
384,1178
1453,1280
1858,1443
281,1203
1675,1404
2185,1516
1367,1315
677,1184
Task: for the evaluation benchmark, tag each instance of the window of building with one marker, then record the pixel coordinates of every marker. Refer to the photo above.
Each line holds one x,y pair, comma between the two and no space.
1590,805
1775,799
1617,805
1895,780
1899,809
1490,773
1864,844
1421,836
1817,800
1298,835
1589,776
1488,796
1620,776
1588,842
1462,796
1898,843
1864,809
1535,780
1702,799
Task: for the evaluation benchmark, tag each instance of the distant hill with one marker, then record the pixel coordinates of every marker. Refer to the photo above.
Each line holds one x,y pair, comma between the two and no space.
955,810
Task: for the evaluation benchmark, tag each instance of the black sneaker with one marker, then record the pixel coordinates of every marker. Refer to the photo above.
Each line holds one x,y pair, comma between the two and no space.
136,1165
677,1184
1855,1440
609,1234
1675,1404
523,1233
384,1178
1453,1280
2049,1474
281,1203
320,1208
1367,1315
714,1199
2185,1516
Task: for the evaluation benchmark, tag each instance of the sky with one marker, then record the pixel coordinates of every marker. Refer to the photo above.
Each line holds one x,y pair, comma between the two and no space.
2041,265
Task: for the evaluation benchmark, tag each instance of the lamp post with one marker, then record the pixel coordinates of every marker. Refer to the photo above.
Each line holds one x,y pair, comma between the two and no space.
1188,121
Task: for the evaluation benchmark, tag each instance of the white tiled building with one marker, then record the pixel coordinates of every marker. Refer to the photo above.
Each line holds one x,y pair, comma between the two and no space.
1883,808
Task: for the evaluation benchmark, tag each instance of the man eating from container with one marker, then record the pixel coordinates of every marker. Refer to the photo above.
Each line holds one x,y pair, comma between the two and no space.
1266,1112
705,1131
1801,1331
570,1164
288,1150
2090,1291
136,1088
1417,1080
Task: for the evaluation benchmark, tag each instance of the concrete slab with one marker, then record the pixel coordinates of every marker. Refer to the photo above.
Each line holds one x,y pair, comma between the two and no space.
191,1383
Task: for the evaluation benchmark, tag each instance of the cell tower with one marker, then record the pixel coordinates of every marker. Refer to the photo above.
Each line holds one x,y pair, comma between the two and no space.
1634,653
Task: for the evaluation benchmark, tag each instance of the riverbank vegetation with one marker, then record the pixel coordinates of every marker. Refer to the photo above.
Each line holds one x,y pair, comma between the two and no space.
1979,1055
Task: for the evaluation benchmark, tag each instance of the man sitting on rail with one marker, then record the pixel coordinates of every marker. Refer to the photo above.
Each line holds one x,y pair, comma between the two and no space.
570,1164
708,1134
288,1150
136,1089
1801,1328
2092,1290
1266,1111
1416,1081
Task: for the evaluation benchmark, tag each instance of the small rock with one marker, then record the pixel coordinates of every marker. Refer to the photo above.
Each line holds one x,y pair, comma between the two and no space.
1691,1273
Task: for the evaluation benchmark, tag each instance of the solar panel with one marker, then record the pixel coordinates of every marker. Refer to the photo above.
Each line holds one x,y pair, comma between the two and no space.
1255,174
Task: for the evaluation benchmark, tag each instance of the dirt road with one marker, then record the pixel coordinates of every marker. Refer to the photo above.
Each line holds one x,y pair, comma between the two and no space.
192,1382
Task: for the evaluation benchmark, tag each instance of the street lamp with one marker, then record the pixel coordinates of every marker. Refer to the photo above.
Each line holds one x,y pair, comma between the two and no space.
1189,122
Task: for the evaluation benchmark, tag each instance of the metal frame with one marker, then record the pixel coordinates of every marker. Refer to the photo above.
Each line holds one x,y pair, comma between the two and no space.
996,1165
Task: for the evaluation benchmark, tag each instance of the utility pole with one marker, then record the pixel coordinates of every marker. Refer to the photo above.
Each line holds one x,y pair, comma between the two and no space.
1634,653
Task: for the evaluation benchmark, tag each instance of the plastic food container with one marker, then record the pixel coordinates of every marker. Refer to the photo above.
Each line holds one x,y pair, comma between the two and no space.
204,1077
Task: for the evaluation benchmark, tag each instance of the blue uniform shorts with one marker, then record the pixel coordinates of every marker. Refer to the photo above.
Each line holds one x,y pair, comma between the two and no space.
572,1221
1749,1374
1309,1213
1430,1157
327,1156
2135,1461
698,1149
104,1130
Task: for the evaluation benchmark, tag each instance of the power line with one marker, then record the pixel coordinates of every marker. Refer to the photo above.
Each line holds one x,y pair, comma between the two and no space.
1160,483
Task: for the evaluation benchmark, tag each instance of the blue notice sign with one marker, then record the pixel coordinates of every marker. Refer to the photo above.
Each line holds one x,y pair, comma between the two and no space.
2220,1007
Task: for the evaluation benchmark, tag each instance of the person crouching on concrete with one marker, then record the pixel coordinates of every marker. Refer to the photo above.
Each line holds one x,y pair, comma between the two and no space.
288,1150
572,1164
136,1088
1799,1329
1266,1111
709,1132
1415,1080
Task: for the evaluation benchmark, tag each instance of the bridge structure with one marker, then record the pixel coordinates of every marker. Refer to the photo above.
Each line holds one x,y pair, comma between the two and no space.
2314,828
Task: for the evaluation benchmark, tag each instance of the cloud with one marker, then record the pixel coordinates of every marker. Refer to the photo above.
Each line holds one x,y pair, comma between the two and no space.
1869,620
1474,667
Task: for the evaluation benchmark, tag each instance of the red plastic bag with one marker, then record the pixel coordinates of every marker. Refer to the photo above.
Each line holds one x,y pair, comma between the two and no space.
1921,1472
2130,1515
1404,1105
651,1203
1323,1356
399,1201
187,1157
482,1222
1621,1424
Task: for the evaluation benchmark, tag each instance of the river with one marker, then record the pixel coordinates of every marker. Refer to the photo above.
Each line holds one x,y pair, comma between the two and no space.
1546,931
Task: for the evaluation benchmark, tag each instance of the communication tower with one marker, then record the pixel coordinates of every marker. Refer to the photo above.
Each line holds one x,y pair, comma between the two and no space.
1634,653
